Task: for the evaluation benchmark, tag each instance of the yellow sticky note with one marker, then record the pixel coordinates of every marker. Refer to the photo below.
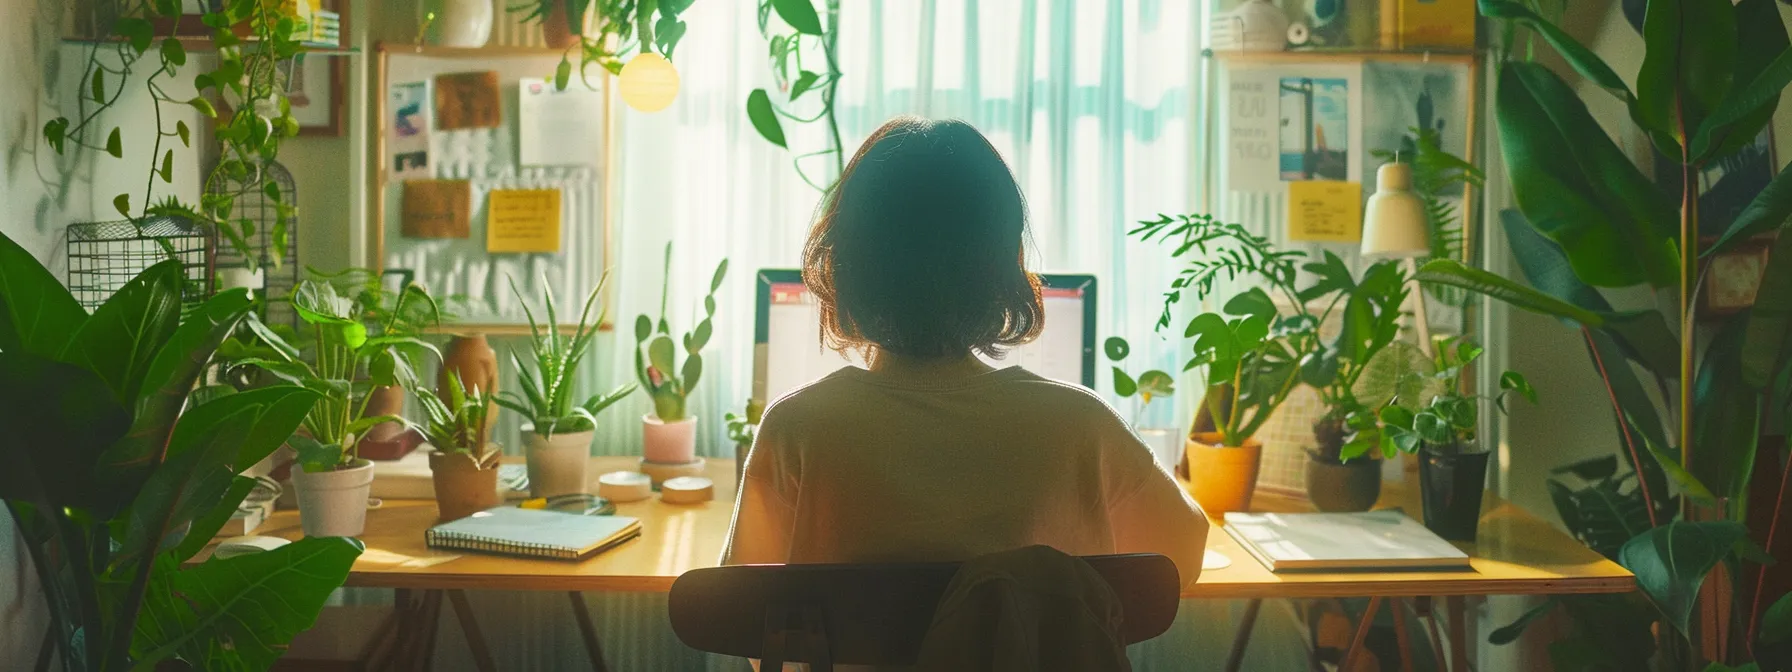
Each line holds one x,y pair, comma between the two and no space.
1325,211
523,220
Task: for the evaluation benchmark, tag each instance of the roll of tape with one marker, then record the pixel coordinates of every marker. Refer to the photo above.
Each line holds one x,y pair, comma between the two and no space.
624,486
687,490
1299,34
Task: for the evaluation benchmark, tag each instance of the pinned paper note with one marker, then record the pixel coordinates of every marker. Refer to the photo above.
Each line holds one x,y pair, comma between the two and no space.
1325,211
523,220
468,100
436,208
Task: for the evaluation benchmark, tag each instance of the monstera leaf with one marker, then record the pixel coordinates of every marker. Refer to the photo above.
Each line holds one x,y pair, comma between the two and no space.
238,613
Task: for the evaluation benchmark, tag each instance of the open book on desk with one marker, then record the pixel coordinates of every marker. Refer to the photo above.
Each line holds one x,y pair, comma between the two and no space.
1386,540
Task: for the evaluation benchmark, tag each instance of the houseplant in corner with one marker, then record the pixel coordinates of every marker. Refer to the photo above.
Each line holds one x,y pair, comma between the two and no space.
743,428
1432,417
463,466
669,433
118,473
559,450
333,480
1252,355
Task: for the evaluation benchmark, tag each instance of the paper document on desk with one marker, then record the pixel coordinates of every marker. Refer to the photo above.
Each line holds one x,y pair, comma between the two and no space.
1318,541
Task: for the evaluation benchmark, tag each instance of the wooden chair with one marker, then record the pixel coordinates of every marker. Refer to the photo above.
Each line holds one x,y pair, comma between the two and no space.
869,614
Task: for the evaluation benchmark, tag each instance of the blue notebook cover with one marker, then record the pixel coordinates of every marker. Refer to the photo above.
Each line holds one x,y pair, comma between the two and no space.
508,530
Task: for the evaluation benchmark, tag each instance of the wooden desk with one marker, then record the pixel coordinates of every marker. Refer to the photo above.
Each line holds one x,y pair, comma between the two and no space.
1516,554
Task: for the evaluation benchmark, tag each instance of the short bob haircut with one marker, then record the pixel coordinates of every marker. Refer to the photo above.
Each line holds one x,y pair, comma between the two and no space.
919,249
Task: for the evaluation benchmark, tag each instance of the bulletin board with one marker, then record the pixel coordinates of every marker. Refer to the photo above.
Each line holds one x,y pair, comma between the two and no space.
486,175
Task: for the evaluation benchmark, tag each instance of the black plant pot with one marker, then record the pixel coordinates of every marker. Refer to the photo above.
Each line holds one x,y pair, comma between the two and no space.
1450,484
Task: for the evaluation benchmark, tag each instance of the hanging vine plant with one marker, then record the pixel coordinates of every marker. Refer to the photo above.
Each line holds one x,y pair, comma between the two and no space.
616,27
256,43
805,60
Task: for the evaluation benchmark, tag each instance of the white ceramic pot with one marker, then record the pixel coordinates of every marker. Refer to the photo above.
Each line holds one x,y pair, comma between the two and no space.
465,23
668,442
334,503
558,463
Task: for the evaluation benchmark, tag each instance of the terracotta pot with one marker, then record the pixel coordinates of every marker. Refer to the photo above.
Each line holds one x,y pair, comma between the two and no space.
334,503
462,488
556,29
668,442
472,358
558,463
1222,478
1343,487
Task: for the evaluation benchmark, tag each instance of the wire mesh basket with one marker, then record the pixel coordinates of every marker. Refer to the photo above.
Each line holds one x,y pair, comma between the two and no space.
103,256
279,266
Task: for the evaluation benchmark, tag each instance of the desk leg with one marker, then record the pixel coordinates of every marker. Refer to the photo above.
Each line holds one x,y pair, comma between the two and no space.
1362,633
1242,639
431,624
1400,636
482,655
1458,633
1437,643
592,647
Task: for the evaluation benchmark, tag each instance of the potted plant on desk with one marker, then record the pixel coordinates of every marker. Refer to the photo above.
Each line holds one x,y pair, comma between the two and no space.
1433,418
333,480
1252,355
1339,478
464,467
669,433
743,429
559,450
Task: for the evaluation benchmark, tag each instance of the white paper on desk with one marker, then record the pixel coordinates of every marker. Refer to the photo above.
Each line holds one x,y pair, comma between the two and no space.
559,128
408,124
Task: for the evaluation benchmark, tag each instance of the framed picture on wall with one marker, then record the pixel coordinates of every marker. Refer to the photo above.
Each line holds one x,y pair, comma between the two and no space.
316,94
1734,277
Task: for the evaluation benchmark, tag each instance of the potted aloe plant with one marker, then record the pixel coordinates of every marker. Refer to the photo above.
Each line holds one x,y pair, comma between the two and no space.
1337,479
559,450
347,362
669,433
464,467
1431,416
1146,386
1252,355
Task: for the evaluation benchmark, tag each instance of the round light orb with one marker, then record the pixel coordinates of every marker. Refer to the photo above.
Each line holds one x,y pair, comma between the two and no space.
649,82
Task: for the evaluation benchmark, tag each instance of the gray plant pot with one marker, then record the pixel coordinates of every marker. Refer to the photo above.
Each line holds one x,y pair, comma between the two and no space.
1351,486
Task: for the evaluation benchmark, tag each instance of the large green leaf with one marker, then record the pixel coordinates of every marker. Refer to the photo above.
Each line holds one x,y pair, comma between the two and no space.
1688,60
1582,59
1454,273
1400,373
246,608
124,334
1763,70
1770,210
1726,416
205,528
37,314
764,118
170,378
58,419
211,444
1671,561
1578,188
1769,335
800,14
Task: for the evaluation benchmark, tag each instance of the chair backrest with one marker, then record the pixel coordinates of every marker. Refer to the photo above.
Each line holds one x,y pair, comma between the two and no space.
870,614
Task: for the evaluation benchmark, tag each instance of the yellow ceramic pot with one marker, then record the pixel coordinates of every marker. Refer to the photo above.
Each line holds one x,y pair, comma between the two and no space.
1221,478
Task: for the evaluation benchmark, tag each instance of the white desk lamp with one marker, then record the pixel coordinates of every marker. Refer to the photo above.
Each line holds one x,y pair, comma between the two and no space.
1395,227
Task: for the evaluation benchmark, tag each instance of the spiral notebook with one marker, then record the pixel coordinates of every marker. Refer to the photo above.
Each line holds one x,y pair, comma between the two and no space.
533,533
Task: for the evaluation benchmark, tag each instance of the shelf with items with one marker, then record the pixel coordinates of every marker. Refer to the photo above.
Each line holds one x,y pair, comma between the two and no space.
204,45
1342,55
328,30
1345,26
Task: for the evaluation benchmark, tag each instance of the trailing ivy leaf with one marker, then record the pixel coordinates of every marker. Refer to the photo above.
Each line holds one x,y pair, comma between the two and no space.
167,170
97,86
135,30
1671,561
803,83
1116,348
1124,384
799,14
174,52
204,107
562,74
115,144
764,118
55,132
123,203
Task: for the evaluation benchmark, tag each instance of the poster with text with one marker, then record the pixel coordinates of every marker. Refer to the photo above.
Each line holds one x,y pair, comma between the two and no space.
407,131
1314,128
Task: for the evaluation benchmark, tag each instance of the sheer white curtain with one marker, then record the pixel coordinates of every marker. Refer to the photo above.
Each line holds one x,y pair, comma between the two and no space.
1089,101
